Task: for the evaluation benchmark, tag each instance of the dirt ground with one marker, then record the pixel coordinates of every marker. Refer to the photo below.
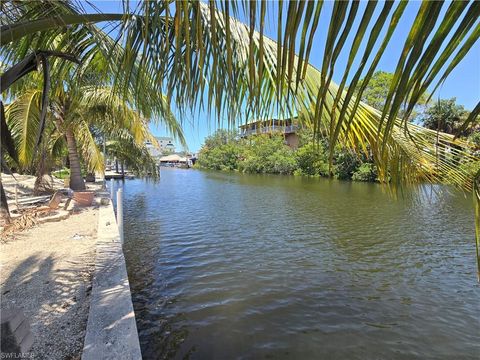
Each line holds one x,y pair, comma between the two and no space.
46,272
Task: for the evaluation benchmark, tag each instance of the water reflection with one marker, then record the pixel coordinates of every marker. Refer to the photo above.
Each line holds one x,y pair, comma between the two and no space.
243,266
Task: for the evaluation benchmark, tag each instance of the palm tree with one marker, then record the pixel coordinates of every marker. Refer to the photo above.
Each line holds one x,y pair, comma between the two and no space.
75,113
8,78
82,97
203,57
138,159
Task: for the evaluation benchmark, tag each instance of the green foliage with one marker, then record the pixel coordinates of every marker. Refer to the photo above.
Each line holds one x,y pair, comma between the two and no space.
268,154
220,152
376,92
137,158
474,139
366,172
377,89
62,173
470,167
312,160
222,157
281,162
260,154
221,137
346,163
445,115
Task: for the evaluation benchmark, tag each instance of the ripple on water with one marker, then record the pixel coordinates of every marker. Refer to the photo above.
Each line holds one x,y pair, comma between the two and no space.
236,266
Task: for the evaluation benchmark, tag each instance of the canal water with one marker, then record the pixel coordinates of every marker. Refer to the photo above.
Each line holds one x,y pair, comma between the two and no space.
232,266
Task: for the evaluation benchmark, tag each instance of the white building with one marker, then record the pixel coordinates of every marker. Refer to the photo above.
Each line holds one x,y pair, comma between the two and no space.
166,146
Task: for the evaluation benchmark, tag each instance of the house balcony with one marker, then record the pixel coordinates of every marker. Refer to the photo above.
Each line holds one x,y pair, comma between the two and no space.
290,129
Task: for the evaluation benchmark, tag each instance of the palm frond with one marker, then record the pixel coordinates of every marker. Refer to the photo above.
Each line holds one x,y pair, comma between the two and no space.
109,111
136,157
203,58
23,120
89,150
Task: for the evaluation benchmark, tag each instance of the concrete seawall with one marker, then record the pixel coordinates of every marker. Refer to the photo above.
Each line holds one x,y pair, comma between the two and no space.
111,328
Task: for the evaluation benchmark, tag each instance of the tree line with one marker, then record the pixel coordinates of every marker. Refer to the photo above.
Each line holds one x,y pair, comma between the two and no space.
268,153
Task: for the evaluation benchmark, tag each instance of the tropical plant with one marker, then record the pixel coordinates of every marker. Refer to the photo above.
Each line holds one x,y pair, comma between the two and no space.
474,139
75,112
445,115
366,172
220,137
312,160
222,157
220,151
135,156
203,57
267,154
8,78
195,50
77,95
376,90
346,163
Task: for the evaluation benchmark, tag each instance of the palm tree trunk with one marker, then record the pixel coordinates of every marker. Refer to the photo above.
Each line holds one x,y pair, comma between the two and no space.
76,179
116,165
41,184
4,212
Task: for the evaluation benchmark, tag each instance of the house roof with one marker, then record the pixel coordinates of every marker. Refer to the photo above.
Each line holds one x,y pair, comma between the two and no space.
173,158
164,138
268,122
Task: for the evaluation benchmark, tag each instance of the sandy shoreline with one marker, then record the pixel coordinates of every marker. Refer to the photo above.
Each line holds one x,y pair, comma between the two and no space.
46,272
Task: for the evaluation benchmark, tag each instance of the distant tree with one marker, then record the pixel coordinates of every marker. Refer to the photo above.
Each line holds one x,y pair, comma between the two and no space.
377,89
220,137
312,160
366,172
376,92
268,154
444,115
474,139
221,151
346,163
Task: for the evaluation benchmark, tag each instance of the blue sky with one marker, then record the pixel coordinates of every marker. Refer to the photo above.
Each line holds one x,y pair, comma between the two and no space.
463,83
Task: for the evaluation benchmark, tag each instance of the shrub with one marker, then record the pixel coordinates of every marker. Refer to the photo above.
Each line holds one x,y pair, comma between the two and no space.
268,154
346,163
311,160
366,172
281,162
62,173
223,157
474,139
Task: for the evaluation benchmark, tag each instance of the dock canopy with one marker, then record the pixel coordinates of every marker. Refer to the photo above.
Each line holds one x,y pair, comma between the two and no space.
174,158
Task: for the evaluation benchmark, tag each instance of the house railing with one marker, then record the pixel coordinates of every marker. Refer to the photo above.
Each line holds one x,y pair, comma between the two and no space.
269,129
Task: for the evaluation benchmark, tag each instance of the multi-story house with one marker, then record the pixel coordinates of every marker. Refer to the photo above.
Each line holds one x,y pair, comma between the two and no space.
288,127
166,146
